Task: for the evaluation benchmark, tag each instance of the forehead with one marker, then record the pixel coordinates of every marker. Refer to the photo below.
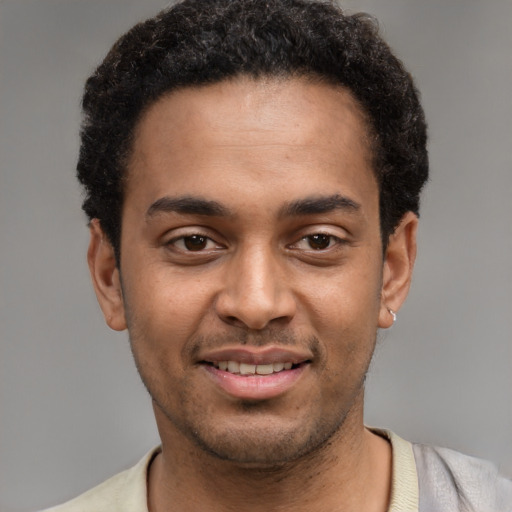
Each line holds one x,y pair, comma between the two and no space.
262,106
246,134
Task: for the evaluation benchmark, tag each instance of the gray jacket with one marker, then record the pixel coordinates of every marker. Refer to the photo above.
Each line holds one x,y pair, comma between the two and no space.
452,482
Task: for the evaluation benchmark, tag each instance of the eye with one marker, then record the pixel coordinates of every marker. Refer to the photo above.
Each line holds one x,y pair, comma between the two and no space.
193,243
317,242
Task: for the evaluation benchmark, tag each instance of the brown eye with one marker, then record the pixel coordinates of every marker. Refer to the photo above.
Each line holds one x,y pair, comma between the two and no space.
195,242
319,241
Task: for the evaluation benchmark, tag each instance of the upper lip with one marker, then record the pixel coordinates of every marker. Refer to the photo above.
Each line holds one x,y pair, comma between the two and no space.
257,355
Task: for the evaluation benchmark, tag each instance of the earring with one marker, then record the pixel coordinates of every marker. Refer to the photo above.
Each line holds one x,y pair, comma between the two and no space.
393,314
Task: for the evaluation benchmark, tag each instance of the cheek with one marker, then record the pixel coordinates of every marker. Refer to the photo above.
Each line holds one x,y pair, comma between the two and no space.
346,300
345,317
167,305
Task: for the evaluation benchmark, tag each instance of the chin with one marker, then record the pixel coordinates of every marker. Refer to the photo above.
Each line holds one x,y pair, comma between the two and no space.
265,446
254,435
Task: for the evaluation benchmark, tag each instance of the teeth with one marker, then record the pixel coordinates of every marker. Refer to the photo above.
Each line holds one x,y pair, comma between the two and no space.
246,369
233,367
265,369
278,366
252,369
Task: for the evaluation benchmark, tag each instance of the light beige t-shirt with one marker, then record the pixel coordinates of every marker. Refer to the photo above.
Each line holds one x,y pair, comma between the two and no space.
127,491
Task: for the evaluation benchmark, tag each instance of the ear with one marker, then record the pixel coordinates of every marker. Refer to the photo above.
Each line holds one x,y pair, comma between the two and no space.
398,266
105,277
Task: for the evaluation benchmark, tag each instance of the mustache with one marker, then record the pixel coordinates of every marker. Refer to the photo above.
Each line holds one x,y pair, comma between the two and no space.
268,336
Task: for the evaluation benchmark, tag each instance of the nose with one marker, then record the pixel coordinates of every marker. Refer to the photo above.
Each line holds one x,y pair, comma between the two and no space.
255,291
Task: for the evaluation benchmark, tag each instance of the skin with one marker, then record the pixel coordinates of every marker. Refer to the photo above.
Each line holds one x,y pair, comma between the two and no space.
259,271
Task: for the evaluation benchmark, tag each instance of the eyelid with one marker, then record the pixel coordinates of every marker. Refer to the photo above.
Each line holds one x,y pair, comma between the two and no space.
181,233
337,241
175,241
336,232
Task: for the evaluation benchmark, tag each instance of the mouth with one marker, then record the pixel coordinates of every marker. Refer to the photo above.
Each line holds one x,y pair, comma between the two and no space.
254,373
239,368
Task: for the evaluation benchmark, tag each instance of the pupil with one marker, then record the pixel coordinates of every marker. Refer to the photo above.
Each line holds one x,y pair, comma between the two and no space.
195,242
319,241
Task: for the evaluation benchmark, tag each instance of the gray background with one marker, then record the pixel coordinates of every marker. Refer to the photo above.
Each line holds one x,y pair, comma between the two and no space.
72,409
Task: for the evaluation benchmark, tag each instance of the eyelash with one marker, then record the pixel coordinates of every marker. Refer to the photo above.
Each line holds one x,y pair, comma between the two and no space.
332,241
193,238
202,241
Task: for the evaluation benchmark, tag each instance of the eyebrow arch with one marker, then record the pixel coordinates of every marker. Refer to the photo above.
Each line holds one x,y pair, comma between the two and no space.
187,205
318,205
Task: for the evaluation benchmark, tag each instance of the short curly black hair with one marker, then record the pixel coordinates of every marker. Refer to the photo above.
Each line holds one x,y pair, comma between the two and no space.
197,42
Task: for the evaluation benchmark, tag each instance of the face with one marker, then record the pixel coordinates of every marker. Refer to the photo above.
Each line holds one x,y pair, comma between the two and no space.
252,280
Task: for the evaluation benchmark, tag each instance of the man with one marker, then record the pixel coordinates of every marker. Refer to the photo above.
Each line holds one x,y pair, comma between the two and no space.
253,172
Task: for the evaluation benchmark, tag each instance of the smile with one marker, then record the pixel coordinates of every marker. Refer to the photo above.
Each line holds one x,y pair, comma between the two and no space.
239,368
255,373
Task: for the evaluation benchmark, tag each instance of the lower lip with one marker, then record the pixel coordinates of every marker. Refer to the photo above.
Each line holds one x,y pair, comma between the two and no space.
255,387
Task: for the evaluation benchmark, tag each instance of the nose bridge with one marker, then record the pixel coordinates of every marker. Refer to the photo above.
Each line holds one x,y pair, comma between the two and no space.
255,290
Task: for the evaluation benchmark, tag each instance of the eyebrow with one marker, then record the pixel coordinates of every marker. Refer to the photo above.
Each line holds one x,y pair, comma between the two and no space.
319,204
187,205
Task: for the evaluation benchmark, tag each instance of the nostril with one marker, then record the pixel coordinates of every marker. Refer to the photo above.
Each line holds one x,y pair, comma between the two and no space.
234,321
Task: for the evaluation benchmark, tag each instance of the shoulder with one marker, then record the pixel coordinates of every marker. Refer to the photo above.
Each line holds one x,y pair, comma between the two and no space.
459,482
102,498
124,492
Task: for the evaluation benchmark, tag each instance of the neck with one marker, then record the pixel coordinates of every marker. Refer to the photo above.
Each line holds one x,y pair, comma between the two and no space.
351,472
